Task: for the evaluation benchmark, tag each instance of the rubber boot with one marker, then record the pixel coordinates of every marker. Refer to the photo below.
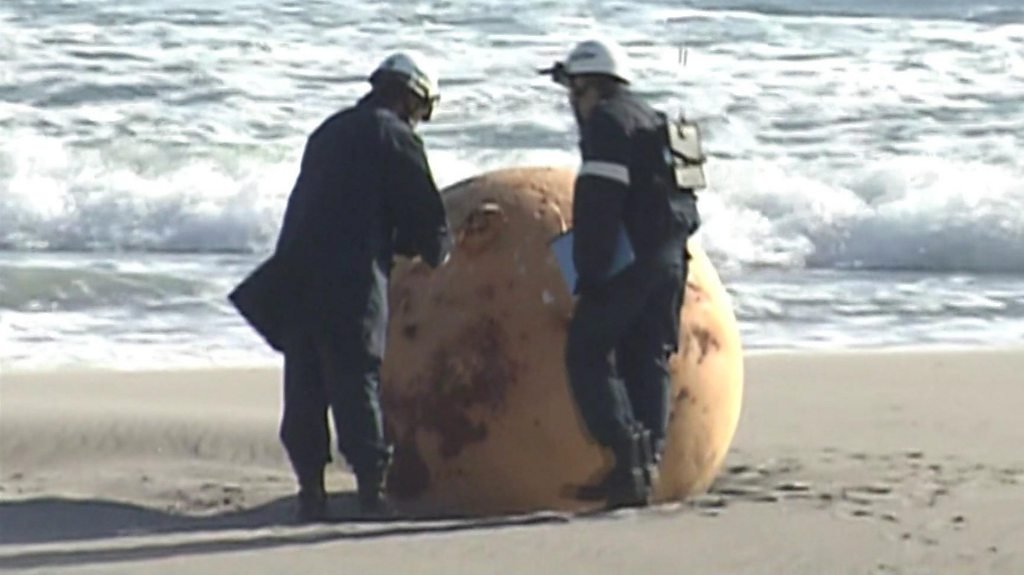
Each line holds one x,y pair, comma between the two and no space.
373,500
648,457
312,498
627,485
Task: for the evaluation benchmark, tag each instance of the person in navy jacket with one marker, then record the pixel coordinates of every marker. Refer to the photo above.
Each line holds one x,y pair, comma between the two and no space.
625,325
365,192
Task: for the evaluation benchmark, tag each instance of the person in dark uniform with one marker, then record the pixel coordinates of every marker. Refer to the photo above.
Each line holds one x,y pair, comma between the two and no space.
625,325
364,193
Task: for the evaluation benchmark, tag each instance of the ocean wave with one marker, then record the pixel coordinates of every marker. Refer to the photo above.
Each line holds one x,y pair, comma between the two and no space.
884,144
49,288
923,214
906,213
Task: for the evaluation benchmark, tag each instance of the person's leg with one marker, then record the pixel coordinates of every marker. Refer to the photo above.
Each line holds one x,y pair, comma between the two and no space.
600,396
643,358
599,321
352,374
304,429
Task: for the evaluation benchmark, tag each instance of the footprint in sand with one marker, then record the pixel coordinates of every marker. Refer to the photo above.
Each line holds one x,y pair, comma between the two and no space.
1009,476
959,522
709,501
794,487
876,489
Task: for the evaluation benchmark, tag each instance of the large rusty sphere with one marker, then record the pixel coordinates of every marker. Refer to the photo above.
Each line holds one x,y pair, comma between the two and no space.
474,385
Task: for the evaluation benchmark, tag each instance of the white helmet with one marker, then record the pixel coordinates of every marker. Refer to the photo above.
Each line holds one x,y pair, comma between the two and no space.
604,57
415,71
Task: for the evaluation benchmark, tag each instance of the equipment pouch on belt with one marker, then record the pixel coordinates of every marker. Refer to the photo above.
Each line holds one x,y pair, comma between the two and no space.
685,154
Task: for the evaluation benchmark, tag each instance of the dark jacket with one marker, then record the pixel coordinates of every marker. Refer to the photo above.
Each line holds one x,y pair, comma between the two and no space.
626,179
364,192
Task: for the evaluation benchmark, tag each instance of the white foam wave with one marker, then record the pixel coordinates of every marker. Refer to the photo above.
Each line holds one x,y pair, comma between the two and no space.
56,198
913,213
920,213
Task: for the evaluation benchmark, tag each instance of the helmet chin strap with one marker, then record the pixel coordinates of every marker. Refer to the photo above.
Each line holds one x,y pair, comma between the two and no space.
412,102
430,104
407,106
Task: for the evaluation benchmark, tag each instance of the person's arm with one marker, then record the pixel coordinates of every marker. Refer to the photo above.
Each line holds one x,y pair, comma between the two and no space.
421,221
599,193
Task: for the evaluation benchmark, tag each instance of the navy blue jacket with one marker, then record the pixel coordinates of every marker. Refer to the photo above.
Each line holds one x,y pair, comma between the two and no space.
364,193
626,179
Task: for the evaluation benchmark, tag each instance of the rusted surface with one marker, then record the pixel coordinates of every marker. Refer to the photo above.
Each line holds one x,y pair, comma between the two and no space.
409,476
481,228
705,342
679,401
683,394
486,292
472,372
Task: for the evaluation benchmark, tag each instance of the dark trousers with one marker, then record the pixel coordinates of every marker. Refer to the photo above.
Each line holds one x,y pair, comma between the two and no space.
620,340
325,373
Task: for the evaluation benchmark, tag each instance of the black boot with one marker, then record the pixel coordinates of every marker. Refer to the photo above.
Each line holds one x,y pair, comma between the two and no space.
312,498
627,485
648,456
373,500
